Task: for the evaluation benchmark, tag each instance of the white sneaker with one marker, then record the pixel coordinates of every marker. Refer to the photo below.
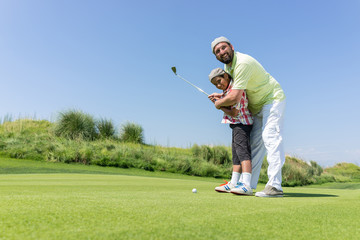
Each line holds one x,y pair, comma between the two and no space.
225,188
242,189
270,191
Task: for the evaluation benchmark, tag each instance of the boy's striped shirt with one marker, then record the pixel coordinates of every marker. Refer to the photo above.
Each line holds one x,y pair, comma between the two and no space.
244,115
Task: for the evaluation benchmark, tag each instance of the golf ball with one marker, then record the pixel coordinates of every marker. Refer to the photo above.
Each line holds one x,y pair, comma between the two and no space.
194,190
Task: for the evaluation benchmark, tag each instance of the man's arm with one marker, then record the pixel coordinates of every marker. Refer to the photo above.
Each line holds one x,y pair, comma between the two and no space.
233,112
233,97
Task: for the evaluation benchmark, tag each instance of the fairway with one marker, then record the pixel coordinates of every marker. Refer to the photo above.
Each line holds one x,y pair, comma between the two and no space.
96,206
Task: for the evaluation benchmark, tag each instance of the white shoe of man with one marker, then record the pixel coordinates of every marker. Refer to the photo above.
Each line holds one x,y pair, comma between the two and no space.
270,191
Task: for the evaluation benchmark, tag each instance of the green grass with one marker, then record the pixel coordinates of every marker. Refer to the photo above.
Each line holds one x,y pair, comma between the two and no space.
90,202
348,185
23,166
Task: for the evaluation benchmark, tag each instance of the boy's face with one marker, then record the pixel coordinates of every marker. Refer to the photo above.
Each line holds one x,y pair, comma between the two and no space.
220,82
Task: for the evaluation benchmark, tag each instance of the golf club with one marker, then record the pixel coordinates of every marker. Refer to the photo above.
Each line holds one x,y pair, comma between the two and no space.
174,70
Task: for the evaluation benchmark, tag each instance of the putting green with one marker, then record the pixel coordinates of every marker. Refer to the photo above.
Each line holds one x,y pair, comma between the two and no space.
96,206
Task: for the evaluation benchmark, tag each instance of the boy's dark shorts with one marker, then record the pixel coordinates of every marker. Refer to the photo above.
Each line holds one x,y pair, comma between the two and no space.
240,143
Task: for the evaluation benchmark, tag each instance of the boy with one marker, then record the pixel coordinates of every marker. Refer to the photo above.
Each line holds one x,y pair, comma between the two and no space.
240,120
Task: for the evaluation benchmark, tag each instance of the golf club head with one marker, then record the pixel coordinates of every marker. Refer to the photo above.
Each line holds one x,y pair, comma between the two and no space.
174,70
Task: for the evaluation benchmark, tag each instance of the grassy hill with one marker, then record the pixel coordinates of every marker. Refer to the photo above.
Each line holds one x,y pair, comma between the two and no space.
36,140
344,172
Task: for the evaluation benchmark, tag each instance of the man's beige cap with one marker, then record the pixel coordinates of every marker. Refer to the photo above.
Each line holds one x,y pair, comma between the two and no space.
217,41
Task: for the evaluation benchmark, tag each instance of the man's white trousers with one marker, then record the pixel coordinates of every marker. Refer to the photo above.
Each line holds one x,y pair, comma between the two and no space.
267,137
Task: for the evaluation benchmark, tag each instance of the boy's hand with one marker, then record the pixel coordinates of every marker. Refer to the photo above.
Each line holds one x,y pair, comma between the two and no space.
213,99
215,96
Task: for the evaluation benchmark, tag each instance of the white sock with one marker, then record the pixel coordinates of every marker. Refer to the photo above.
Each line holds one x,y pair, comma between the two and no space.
246,178
241,178
235,178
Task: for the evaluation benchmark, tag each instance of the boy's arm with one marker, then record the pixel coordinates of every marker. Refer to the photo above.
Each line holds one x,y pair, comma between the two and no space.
233,112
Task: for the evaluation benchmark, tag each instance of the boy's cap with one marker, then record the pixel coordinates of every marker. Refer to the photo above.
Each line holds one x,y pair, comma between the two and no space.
216,72
218,40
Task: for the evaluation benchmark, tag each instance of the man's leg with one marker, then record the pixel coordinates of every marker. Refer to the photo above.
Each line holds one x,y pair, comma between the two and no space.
273,118
273,121
258,149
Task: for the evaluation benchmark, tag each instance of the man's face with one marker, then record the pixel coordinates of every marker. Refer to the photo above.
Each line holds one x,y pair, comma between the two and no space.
224,52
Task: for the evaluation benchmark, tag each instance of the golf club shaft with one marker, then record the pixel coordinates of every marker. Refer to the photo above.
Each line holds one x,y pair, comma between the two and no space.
193,85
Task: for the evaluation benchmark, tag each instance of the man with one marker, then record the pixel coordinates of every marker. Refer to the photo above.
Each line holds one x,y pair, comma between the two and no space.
267,104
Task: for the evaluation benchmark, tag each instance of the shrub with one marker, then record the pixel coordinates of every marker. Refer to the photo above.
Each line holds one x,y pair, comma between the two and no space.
216,155
315,169
207,169
105,128
75,124
221,155
196,150
263,178
296,172
207,153
132,132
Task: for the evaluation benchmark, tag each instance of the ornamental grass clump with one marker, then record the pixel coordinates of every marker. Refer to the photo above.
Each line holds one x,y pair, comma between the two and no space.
105,128
74,124
132,132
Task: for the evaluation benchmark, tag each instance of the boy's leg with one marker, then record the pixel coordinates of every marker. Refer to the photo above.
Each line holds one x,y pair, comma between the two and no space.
243,151
258,149
235,177
243,188
236,168
246,172
246,166
235,158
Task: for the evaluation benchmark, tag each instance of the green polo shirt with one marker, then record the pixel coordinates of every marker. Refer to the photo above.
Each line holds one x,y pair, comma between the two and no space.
261,88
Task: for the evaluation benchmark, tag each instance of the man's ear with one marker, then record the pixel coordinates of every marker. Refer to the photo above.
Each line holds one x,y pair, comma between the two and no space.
232,47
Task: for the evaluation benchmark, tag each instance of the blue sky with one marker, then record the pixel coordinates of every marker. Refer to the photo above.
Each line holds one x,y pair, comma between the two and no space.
113,59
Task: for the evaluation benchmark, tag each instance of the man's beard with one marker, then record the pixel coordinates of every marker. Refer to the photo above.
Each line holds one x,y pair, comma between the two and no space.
228,59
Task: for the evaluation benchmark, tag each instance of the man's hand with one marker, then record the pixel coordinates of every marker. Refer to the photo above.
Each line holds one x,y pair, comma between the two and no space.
217,105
